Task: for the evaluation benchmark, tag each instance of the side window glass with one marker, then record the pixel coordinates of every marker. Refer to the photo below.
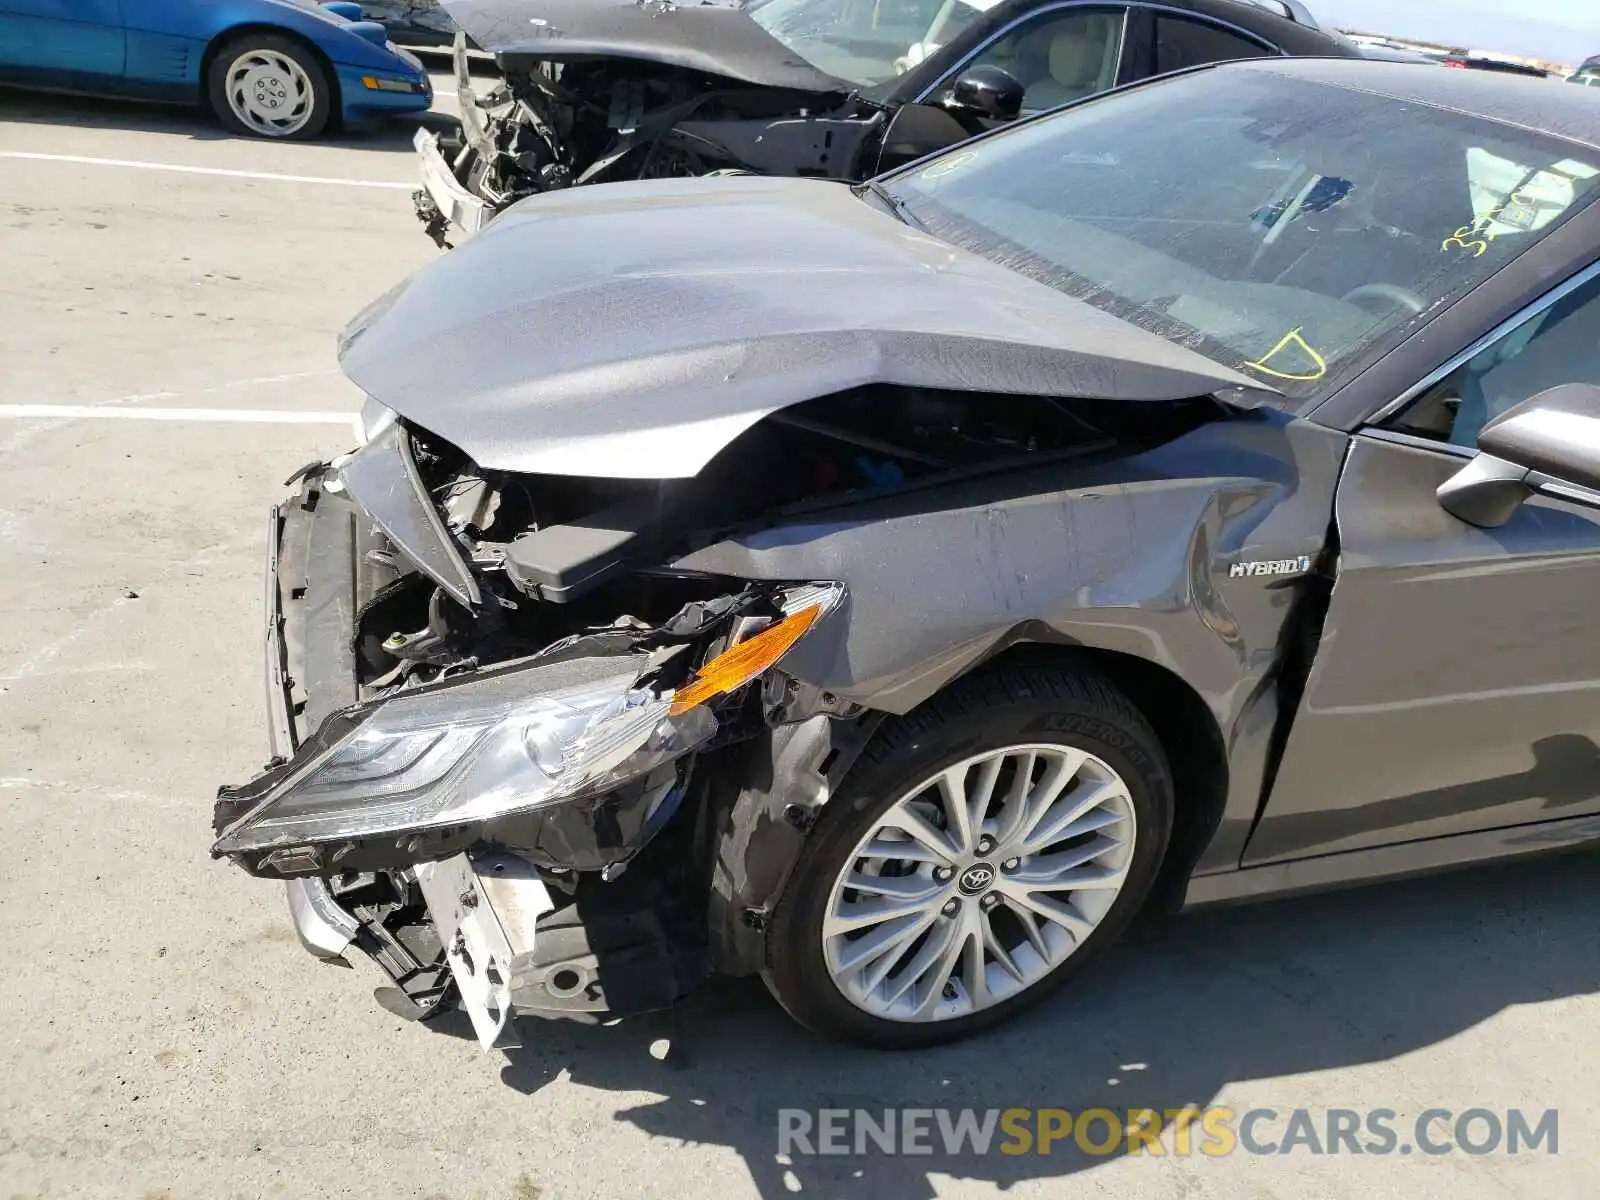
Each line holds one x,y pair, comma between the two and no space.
1060,57
1183,43
1559,345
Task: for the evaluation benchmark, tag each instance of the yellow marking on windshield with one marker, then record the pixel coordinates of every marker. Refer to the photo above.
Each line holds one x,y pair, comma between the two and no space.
1462,239
1292,341
1519,213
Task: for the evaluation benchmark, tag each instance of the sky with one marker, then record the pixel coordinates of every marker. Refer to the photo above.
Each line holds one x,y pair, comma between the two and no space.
1568,30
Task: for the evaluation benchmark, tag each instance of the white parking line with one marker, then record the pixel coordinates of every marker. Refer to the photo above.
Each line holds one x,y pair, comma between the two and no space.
246,416
17,441
84,791
153,166
231,385
235,416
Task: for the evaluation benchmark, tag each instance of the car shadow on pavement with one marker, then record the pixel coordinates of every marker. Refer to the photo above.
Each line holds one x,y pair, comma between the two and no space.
136,116
1183,1008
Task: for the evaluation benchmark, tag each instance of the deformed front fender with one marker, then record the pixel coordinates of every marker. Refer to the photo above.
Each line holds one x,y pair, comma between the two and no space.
1151,556
1132,555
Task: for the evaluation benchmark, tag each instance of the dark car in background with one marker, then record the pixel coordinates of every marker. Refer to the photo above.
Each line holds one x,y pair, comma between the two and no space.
1187,496
412,22
1474,60
604,90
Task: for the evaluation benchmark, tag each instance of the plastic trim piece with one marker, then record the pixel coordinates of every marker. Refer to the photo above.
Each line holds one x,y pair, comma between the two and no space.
382,478
324,929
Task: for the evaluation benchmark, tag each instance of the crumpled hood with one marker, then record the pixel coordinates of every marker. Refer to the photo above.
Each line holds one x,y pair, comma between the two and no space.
717,38
633,330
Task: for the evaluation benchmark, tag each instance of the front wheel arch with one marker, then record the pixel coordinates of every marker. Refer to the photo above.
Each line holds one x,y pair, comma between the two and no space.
989,708
1189,735
236,33
762,826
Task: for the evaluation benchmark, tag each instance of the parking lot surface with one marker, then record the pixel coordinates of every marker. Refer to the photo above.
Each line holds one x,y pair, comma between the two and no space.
165,1036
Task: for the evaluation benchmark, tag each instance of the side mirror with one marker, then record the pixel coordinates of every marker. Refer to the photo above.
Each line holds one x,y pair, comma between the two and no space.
1554,433
987,92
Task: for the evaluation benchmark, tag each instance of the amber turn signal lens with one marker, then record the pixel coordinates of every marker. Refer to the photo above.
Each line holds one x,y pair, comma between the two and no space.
737,666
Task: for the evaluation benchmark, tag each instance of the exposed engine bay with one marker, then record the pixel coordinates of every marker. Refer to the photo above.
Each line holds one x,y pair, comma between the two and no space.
551,125
559,124
598,91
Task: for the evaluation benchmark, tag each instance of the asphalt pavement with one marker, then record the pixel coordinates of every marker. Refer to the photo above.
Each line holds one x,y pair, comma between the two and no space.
169,298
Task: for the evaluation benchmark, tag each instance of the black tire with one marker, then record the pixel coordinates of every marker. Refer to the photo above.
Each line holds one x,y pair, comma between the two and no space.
1016,705
322,86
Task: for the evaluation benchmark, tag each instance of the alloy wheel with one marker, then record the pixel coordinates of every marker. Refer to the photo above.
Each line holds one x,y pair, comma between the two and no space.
978,882
270,93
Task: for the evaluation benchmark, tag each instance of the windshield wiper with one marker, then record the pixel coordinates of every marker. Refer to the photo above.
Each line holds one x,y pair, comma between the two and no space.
896,206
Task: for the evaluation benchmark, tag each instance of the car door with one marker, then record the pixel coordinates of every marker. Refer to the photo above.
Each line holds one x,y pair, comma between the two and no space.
73,39
1456,687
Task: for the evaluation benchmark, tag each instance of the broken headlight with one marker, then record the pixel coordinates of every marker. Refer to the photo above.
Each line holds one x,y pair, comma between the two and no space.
476,750
505,741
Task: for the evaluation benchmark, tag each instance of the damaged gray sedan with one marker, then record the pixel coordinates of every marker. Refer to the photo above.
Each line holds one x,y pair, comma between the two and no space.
889,590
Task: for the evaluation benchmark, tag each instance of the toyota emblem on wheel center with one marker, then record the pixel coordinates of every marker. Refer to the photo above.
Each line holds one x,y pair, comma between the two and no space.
975,879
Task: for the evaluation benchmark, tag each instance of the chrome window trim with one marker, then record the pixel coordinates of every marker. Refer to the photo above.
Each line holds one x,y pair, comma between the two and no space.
1127,7
1554,296
1414,441
1549,485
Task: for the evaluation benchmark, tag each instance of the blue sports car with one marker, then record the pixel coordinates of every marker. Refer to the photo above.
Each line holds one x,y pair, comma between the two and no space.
272,68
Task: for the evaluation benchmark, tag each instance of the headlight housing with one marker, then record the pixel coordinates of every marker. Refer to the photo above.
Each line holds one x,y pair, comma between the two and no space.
506,741
481,749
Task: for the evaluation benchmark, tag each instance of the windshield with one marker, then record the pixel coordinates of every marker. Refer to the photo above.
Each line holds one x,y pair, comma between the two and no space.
865,42
1289,229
